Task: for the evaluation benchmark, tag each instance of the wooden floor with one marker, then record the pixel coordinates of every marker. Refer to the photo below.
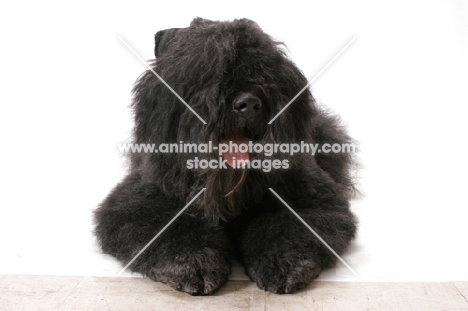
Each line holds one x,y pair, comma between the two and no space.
96,293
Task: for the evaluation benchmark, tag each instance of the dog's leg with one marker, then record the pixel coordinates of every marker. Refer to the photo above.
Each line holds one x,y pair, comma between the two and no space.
191,255
281,254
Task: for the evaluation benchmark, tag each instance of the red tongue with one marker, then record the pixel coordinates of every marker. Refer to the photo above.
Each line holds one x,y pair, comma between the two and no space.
231,155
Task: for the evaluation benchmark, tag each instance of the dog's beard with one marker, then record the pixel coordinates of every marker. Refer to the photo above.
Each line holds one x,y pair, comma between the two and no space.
230,190
225,195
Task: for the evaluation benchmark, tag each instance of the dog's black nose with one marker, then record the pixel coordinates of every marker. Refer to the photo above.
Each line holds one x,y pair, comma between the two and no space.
247,104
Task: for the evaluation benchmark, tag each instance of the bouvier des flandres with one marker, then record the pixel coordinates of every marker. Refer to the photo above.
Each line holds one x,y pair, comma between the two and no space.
236,78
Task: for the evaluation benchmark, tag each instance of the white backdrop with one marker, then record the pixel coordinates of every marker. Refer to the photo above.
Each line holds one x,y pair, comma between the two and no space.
401,88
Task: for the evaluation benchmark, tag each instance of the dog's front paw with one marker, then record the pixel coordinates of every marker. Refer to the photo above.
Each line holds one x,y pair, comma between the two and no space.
284,274
196,273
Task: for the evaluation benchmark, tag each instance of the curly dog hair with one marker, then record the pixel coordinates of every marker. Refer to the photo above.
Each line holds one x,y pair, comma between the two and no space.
237,78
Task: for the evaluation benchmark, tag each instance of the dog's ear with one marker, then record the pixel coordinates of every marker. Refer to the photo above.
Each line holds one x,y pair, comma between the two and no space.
200,21
162,39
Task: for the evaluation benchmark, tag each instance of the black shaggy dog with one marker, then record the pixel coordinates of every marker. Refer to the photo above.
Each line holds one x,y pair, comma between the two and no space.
237,78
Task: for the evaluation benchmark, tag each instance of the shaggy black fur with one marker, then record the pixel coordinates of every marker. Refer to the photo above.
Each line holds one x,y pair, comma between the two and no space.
213,66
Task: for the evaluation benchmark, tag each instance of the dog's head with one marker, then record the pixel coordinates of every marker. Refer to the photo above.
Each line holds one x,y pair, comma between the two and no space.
237,79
